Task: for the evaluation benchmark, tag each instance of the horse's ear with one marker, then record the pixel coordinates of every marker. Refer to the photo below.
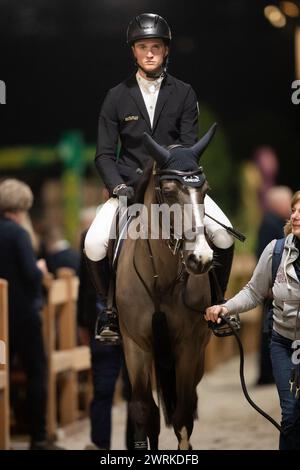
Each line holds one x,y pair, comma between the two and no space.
201,145
156,151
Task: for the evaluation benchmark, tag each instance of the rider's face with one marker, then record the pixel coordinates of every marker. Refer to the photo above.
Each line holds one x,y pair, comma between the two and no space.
149,54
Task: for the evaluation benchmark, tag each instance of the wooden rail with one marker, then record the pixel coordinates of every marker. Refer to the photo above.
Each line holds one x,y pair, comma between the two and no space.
65,358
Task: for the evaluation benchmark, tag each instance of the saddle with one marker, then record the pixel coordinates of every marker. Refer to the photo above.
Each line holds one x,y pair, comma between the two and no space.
120,227
121,224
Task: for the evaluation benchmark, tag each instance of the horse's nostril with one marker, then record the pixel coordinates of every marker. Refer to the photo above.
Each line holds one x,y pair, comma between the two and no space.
193,261
192,258
197,263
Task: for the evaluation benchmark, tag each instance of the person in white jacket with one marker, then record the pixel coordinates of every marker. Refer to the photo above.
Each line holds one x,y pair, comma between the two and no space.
285,338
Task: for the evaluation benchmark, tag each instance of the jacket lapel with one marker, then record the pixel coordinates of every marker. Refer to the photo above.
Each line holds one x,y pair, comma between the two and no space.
164,93
137,96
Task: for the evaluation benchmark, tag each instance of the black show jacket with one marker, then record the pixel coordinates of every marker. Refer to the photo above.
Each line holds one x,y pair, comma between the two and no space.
124,118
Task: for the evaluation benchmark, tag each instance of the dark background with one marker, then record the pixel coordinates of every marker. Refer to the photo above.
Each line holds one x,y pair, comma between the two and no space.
59,58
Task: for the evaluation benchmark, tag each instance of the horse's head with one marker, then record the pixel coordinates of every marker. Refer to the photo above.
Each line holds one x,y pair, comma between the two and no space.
181,183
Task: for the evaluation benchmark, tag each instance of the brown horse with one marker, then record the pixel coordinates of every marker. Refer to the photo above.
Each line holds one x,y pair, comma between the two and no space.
162,287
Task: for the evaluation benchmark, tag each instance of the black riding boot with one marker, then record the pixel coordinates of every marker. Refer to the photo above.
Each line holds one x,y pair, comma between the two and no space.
219,277
222,267
107,328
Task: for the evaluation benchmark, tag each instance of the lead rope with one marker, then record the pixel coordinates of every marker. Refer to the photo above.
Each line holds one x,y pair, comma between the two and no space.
242,378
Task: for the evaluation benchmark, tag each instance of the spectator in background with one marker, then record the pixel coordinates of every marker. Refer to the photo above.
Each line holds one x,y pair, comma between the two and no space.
18,265
278,210
34,237
58,252
267,163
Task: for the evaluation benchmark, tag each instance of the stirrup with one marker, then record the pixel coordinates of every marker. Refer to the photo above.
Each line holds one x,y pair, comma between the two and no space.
107,332
108,336
223,329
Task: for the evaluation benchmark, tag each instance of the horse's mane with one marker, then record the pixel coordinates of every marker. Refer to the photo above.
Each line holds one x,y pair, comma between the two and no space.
143,183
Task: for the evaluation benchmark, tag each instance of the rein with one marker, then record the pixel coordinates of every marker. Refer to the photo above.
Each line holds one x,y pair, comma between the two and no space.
156,295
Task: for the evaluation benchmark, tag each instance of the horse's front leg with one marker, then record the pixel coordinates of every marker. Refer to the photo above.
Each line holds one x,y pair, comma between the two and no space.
188,375
143,411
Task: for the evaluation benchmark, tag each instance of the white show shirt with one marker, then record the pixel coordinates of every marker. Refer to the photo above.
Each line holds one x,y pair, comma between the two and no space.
149,90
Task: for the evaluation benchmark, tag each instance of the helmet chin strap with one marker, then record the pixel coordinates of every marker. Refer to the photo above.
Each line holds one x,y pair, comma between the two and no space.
155,74
160,72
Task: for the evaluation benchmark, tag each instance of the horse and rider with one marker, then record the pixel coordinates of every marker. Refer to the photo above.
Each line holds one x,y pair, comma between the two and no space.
157,290
152,101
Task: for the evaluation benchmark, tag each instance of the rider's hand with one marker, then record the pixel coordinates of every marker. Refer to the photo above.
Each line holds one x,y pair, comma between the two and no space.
125,191
213,313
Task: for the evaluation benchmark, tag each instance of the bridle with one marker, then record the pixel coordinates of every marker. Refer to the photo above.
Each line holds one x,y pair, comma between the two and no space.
174,244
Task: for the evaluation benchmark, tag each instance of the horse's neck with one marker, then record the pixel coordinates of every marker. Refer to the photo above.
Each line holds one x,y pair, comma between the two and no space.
166,264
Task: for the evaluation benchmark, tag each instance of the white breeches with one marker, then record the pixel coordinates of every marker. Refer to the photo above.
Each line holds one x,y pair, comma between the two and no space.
97,237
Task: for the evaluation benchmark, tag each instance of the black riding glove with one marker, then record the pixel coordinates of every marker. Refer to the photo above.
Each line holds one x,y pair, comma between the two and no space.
125,191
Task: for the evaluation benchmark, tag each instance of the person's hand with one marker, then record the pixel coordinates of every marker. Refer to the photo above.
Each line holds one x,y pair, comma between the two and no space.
42,265
125,191
213,313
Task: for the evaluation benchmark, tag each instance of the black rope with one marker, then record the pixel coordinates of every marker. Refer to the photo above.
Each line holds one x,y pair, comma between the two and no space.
242,378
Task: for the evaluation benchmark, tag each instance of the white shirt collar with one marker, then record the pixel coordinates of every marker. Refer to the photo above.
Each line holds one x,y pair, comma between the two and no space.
151,86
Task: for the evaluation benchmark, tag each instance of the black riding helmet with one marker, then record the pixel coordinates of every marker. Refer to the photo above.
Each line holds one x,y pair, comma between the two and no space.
148,25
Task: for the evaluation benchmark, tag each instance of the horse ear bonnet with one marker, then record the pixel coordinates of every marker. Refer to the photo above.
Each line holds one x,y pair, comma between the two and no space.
183,159
180,158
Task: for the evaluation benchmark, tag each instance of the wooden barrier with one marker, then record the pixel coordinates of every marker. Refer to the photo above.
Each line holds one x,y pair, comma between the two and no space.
65,358
4,378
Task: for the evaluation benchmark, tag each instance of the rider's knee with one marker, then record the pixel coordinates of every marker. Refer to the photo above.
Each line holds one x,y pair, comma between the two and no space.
94,250
222,239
